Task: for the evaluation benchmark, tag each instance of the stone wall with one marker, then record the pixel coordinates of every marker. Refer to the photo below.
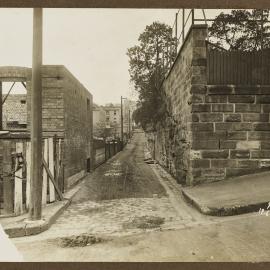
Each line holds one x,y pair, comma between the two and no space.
231,132
212,132
170,144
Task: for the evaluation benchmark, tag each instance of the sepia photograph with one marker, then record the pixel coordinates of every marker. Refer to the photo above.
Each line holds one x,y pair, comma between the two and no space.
134,134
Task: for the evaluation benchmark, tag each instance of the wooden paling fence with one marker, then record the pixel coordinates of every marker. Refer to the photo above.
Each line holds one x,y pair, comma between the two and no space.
16,175
237,67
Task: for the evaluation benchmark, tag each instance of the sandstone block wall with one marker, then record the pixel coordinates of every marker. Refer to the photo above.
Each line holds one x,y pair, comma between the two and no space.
171,143
212,132
231,132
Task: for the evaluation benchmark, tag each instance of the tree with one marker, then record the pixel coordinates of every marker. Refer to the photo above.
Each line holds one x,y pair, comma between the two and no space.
241,30
149,62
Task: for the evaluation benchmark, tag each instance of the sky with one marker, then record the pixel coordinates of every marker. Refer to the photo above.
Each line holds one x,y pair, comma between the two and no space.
91,43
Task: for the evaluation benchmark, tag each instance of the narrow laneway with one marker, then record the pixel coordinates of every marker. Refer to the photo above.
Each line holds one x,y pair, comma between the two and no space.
121,203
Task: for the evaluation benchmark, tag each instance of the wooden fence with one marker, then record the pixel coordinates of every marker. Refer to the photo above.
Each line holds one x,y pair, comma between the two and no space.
237,67
105,150
15,176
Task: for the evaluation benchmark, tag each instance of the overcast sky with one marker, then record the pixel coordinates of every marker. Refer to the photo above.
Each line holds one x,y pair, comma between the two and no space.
91,43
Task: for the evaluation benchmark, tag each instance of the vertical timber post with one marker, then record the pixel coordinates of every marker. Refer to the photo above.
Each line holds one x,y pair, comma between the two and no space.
1,107
176,34
122,131
183,25
36,119
129,124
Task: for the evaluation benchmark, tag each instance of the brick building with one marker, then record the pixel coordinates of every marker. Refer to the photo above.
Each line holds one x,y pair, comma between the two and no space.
15,112
66,113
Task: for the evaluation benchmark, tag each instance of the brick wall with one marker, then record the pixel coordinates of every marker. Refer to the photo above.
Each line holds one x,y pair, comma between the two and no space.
67,112
78,128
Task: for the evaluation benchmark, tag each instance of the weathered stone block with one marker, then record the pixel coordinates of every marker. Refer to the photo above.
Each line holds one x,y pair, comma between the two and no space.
245,145
222,107
263,99
198,89
233,126
220,90
215,154
262,126
255,117
258,135
248,163
211,117
205,144
216,99
248,108
200,107
245,90
260,154
223,163
201,127
265,144
196,98
241,99
232,117
266,108
203,135
228,144
239,154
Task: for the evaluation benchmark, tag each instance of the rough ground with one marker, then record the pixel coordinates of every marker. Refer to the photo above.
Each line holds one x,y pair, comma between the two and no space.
128,210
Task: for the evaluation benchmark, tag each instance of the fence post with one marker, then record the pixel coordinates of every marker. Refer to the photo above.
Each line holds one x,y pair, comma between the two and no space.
51,167
45,176
28,166
18,196
8,181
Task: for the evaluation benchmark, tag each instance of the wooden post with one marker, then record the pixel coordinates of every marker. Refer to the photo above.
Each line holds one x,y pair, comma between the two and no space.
8,180
45,176
183,25
18,196
1,107
176,34
28,169
35,208
122,131
51,167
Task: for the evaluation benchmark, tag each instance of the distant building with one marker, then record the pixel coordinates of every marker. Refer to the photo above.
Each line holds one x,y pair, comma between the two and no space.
129,107
98,114
113,119
15,112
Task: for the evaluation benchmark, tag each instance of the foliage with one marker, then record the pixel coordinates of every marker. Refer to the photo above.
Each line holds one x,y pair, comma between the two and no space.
149,62
241,30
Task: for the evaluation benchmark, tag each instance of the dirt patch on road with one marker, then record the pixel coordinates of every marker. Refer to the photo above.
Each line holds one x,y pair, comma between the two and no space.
81,240
144,222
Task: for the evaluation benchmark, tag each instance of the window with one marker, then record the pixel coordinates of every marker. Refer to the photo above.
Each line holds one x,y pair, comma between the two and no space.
114,112
23,101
